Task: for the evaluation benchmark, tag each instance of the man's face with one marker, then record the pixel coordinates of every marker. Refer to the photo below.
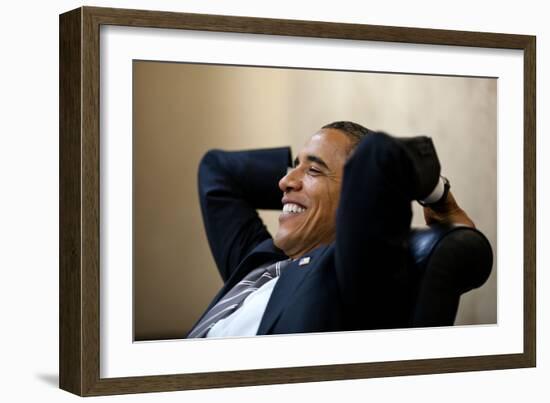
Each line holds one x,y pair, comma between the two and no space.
311,191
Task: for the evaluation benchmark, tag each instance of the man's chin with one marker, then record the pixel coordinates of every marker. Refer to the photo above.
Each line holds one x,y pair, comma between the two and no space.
278,241
283,241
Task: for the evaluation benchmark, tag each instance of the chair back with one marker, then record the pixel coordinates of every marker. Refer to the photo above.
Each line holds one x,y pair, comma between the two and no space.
449,260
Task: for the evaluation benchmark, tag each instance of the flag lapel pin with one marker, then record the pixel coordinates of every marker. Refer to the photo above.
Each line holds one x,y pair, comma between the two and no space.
303,261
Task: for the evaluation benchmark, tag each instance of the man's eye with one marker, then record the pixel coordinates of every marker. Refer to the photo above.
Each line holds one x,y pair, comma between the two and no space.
314,171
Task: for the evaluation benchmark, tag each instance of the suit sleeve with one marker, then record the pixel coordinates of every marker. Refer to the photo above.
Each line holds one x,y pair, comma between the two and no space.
373,223
232,185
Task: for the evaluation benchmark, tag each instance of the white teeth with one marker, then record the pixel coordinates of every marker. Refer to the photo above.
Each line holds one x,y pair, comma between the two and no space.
292,208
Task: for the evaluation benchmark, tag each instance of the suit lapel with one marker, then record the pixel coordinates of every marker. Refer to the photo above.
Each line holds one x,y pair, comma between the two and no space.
264,252
290,280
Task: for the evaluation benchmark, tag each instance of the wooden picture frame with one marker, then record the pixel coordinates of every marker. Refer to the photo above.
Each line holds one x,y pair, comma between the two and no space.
80,199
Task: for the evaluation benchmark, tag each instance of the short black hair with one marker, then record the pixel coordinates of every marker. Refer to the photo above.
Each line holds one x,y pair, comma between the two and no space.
353,130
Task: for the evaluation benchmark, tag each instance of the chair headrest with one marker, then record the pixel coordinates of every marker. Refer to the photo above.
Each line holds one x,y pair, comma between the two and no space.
460,253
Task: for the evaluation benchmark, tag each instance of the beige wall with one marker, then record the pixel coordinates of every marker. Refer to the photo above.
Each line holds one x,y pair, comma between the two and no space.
182,110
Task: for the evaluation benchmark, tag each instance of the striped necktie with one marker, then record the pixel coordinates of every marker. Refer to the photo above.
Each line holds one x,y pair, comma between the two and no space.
236,296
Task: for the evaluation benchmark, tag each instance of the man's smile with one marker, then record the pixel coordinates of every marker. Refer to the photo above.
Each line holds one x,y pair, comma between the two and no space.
291,207
291,210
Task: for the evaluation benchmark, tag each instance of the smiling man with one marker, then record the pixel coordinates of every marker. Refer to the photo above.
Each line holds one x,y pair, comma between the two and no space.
338,261
311,190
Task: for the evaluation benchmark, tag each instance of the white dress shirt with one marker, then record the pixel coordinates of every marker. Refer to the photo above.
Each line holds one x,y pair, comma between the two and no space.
245,321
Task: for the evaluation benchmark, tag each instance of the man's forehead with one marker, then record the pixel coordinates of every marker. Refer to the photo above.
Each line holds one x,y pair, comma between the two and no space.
327,144
331,137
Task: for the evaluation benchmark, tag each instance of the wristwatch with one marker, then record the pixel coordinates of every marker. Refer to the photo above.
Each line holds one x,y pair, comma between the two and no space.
441,201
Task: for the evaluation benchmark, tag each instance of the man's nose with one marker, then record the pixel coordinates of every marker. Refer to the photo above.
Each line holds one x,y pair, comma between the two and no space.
291,181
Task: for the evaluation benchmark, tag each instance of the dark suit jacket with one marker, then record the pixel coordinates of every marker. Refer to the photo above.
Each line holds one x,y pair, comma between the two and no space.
358,282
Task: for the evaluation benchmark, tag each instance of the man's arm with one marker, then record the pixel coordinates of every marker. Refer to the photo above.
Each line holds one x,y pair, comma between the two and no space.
232,185
448,212
373,225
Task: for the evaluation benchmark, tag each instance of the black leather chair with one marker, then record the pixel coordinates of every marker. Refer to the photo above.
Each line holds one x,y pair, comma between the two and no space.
448,260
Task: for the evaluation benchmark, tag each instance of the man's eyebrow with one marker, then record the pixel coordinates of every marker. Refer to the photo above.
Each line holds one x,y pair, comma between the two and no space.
312,158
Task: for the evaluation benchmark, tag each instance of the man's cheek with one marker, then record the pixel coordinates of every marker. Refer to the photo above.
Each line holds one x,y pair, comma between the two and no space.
313,222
